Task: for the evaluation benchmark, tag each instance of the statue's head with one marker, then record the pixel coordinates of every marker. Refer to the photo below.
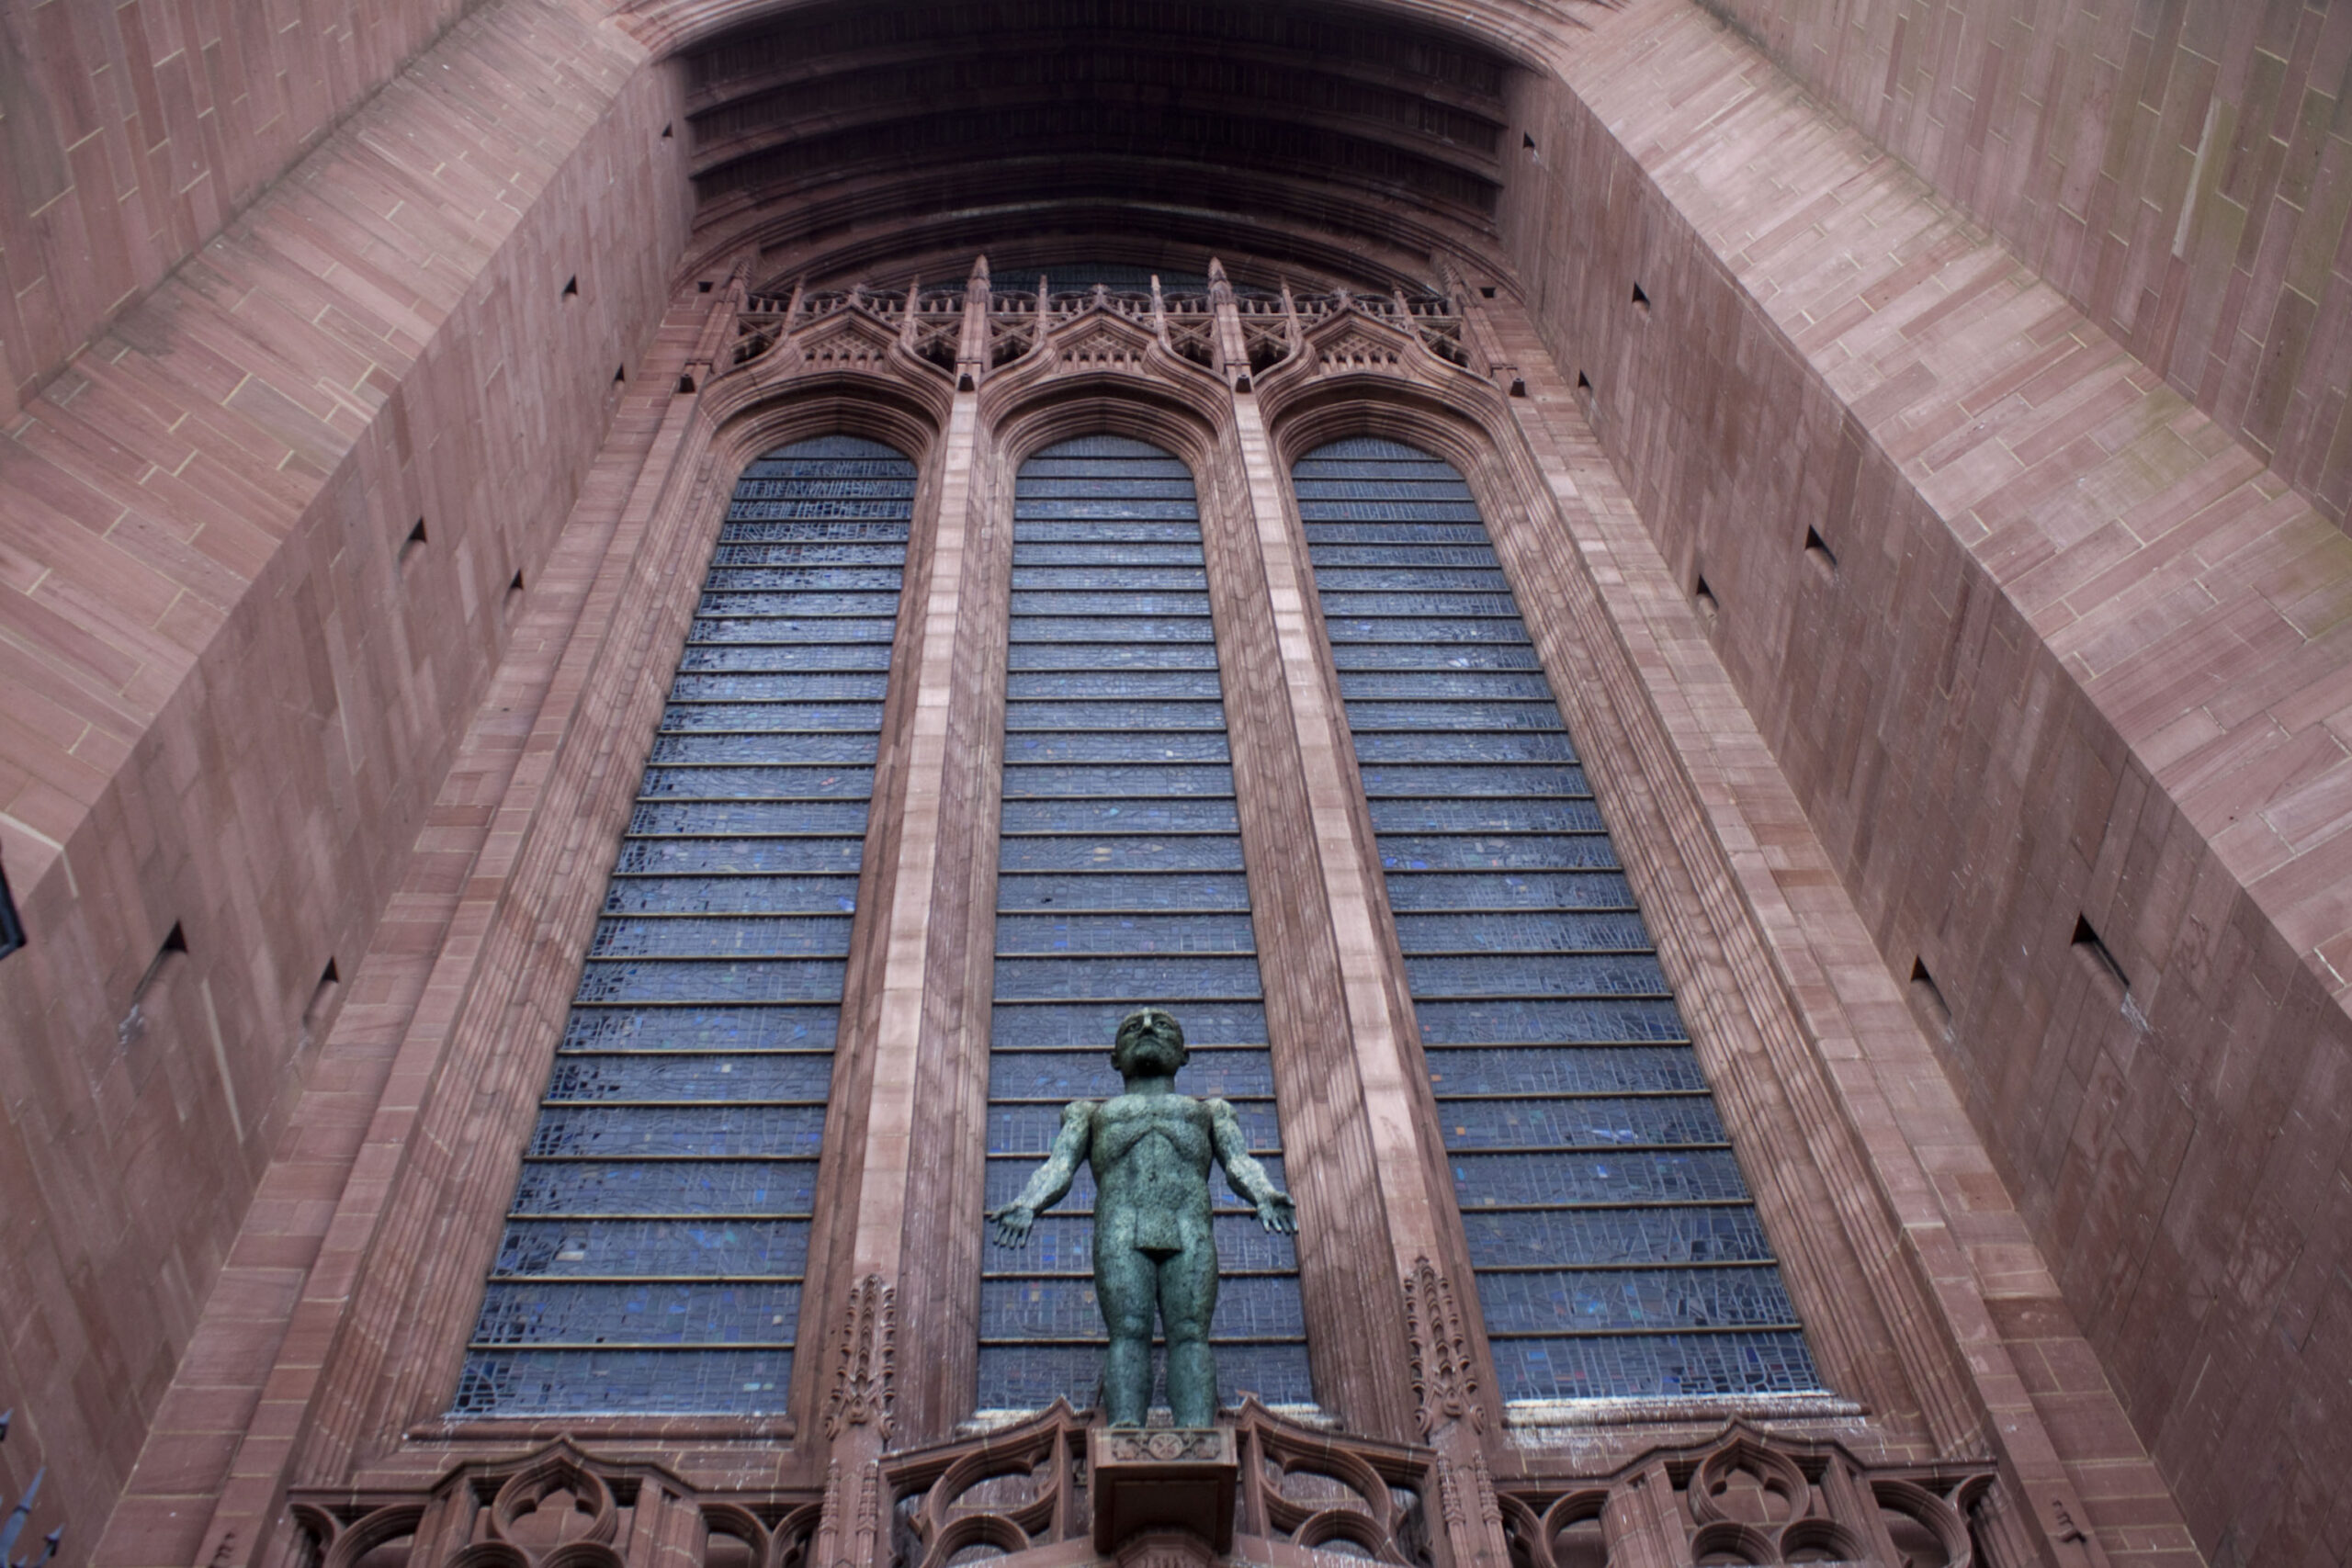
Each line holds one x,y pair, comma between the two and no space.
1150,1041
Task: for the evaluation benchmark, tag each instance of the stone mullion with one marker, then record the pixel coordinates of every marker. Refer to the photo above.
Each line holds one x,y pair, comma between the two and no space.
840,1181
1331,1157
948,1169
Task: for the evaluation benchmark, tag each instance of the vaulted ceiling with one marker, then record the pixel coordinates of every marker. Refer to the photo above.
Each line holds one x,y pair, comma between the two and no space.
839,132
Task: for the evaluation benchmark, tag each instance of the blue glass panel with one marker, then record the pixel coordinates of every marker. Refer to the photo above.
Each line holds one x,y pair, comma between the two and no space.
1093,852
1183,530
1671,1366
1470,851
636,1313
1551,932
552,1249
1369,685
1028,555
671,1189
1586,1150
718,1129
1578,1124
780,781
1096,655
711,980
1146,684
743,935
1417,577
1406,781
1505,1239
779,630
1026,780
1025,979
1401,555
1528,813
794,685
1135,813
676,857
1056,1024
692,895
1470,747
712,816
1361,656
1515,890
1575,1176
692,1075
1536,974
752,657
1538,1022
665,1383
1097,630
1180,890
702,1028
1115,746
1569,1069
1114,714
683,750
741,717
1117,814
661,1219
1121,582
1123,933
1636,1298
1084,1073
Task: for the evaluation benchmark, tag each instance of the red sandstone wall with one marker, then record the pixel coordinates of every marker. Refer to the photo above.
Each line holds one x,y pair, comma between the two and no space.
2080,655
227,695
2181,171
130,134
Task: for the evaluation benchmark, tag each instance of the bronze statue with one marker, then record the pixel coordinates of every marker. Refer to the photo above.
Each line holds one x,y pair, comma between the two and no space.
1153,1245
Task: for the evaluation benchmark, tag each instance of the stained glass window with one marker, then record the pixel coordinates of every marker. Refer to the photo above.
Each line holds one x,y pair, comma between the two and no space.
1615,1244
654,1250
1120,886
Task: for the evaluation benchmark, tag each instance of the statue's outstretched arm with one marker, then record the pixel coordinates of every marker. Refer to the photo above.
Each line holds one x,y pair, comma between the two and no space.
1275,1209
1051,1181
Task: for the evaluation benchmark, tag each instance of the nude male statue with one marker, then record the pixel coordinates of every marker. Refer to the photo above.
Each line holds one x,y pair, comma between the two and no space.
1153,1245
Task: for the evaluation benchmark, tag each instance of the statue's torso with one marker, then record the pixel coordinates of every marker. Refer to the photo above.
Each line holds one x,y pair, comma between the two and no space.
1151,1157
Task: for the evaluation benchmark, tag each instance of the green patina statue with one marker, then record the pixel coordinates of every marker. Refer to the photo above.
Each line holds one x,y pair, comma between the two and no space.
1151,1148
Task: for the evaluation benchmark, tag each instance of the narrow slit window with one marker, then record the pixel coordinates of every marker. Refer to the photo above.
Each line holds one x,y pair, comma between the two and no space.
1616,1244
1120,886
654,1250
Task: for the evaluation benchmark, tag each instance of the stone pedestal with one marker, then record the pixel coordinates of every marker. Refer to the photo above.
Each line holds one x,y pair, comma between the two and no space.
1163,1479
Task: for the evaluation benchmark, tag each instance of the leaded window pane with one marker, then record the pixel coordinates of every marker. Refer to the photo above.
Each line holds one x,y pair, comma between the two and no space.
1616,1246
1120,886
654,1251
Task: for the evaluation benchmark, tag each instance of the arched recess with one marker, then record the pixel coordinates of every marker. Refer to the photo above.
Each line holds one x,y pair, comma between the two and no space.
1348,140
1826,1231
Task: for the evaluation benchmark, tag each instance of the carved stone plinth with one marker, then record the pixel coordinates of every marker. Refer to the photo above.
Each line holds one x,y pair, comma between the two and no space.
1171,1478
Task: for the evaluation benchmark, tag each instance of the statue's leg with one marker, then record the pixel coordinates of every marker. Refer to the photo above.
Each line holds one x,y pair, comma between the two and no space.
1187,1302
1125,1288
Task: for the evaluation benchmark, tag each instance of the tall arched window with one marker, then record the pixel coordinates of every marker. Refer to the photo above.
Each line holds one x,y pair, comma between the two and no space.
1120,885
1616,1246
654,1251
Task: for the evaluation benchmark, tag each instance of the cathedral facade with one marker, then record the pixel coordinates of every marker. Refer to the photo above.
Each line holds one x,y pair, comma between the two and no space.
1704,647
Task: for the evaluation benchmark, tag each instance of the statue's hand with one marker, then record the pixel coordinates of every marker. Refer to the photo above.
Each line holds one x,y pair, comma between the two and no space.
1278,1214
1012,1222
